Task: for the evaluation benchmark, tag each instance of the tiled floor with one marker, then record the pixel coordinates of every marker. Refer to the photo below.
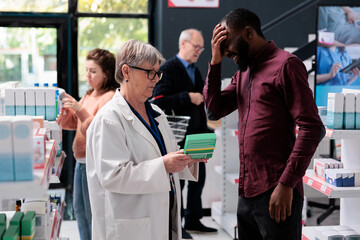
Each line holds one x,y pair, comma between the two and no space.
69,228
69,231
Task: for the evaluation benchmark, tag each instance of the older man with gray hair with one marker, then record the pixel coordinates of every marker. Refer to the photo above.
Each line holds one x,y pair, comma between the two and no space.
180,91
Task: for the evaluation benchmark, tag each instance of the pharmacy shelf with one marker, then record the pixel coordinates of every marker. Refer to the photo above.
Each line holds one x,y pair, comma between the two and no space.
342,134
218,132
308,233
227,220
230,177
59,162
36,188
232,131
56,222
233,178
218,169
24,189
328,189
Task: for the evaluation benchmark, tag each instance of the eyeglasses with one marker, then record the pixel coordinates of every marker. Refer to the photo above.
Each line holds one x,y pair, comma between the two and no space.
197,47
150,73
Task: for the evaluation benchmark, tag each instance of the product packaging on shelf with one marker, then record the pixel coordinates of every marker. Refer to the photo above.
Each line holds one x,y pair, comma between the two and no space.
30,108
335,112
40,102
20,101
22,128
10,102
6,150
50,104
349,111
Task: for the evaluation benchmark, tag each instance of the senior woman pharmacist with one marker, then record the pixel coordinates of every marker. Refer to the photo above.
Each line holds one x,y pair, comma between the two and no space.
133,162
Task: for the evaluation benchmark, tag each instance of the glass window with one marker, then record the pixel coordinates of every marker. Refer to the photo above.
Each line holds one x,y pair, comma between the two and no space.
20,48
113,6
106,33
34,5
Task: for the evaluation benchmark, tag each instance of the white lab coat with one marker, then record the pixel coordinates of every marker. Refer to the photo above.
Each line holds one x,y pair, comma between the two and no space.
128,184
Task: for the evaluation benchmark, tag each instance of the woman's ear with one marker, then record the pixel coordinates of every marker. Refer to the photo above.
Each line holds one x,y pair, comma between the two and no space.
125,71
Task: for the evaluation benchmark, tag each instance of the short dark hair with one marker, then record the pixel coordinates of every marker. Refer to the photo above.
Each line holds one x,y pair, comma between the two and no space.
106,61
240,18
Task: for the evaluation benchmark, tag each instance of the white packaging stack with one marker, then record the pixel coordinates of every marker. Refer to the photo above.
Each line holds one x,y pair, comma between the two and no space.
327,233
6,150
349,111
343,177
335,112
347,232
334,177
320,164
22,128
357,111
354,177
50,104
350,235
30,102
19,101
331,235
357,104
10,102
56,134
40,102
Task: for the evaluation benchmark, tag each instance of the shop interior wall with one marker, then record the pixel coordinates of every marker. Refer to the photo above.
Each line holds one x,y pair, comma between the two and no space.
171,21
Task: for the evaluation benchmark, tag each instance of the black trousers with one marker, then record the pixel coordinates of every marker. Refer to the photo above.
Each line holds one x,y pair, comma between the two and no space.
194,210
254,222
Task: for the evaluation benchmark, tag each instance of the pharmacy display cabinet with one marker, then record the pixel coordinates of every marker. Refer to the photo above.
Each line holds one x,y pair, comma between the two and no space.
349,196
38,187
224,212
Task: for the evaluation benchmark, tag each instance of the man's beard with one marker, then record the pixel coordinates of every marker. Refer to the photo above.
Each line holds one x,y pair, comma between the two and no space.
243,57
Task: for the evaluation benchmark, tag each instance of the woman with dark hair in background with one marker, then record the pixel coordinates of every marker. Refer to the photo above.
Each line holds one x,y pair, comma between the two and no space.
100,74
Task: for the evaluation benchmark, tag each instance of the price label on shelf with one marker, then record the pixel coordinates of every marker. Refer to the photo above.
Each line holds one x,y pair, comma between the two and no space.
310,182
323,188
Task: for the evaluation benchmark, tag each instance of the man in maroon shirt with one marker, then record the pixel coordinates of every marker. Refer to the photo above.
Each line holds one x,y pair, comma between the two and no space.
271,93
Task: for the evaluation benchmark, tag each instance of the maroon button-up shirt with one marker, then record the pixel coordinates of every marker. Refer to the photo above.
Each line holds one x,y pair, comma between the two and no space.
272,97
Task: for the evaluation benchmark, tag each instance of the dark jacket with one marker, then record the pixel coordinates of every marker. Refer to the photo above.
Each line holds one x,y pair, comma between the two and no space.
172,93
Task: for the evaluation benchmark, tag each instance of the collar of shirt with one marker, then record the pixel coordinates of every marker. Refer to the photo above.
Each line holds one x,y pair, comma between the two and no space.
263,54
185,63
148,106
190,68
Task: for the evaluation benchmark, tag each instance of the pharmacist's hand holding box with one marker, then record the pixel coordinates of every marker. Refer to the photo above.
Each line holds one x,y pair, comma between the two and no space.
177,161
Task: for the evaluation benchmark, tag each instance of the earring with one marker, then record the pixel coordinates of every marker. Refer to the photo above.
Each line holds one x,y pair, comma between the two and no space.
126,80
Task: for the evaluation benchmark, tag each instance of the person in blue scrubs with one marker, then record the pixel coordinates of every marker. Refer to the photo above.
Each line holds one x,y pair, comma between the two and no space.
330,60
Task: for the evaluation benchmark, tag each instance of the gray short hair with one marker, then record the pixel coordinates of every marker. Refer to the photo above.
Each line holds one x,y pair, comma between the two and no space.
134,52
186,35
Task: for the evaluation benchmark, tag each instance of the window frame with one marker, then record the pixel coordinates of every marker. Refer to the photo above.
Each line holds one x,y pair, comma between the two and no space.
66,25
67,55
58,21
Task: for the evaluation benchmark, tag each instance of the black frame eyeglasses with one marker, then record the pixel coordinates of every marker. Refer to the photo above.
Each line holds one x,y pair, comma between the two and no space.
150,73
197,47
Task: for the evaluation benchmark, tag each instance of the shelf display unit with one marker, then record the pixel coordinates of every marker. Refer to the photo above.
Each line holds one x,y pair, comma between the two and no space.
59,162
224,212
349,196
38,187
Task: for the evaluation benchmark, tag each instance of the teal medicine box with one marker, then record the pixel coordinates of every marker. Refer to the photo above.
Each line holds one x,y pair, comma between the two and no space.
200,145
